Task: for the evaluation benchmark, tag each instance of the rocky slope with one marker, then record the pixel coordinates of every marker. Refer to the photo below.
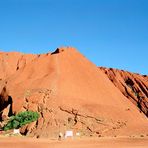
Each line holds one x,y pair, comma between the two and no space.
69,92
133,86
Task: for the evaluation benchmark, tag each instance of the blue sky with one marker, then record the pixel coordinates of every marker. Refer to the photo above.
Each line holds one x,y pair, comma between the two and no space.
111,33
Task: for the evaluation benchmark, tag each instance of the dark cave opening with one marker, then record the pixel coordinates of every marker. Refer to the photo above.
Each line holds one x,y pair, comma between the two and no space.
6,102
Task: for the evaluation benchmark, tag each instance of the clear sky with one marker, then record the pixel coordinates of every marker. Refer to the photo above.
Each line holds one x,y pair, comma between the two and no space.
111,33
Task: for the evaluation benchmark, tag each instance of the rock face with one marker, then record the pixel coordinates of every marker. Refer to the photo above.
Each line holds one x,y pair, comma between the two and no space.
133,86
70,93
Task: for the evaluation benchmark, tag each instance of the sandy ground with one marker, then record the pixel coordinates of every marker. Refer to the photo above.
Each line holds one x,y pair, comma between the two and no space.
75,143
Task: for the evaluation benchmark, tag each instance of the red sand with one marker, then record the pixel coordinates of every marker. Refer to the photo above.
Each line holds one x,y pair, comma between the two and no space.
81,143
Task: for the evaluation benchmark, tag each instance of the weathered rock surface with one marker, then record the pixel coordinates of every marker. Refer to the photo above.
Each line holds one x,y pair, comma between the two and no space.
133,86
69,92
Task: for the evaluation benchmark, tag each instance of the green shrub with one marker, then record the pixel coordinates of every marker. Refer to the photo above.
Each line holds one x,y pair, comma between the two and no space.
21,119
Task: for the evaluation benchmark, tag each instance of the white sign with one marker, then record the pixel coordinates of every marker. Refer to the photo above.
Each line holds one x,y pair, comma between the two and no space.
16,131
68,134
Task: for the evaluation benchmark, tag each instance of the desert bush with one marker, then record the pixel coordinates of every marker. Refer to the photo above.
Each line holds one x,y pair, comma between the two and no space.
21,119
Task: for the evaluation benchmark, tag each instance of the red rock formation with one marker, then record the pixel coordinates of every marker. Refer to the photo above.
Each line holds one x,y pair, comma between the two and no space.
69,92
133,86
10,62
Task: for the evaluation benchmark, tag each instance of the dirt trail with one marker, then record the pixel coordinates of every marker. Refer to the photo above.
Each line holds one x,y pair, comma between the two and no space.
79,143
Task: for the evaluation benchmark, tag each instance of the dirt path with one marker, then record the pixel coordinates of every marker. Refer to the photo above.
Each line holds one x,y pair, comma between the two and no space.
79,143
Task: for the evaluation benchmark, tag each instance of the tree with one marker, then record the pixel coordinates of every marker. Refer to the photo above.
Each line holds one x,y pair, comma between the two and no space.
21,119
